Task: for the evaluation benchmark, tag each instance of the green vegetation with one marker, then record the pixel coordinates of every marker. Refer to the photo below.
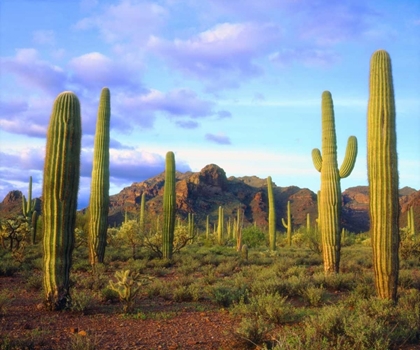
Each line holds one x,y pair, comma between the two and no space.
61,184
99,191
330,200
169,207
271,215
280,300
383,175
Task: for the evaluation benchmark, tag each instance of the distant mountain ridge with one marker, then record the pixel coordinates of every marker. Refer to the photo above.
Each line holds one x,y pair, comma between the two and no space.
203,192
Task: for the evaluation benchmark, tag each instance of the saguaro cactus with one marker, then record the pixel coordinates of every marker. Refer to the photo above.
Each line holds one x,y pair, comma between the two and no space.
383,175
220,226
28,205
410,222
330,201
271,215
99,189
60,187
288,225
142,219
169,202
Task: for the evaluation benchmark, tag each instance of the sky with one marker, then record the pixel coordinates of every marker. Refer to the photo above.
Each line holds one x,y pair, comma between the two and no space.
236,83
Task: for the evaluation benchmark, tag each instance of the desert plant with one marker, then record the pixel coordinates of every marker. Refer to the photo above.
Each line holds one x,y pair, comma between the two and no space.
411,227
220,226
99,191
271,215
383,175
330,201
128,286
288,224
29,212
60,188
169,207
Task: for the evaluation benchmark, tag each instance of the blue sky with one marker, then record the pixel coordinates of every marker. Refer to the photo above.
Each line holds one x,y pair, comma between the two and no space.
229,82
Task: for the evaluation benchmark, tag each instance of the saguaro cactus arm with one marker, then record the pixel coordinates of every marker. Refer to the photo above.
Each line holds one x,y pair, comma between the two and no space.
350,158
317,159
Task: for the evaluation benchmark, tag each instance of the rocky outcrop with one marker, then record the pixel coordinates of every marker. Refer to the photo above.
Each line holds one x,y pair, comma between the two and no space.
203,192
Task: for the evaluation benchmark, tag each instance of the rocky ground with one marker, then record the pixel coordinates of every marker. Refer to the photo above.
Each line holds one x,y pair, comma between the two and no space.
25,324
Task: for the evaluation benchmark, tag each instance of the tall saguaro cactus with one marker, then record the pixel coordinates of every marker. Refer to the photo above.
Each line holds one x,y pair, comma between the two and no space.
169,202
99,190
60,187
288,225
220,226
330,201
142,218
28,205
271,215
383,175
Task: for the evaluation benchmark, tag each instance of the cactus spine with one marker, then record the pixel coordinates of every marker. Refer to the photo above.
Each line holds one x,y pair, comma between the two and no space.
271,215
288,225
169,202
99,191
330,201
60,187
383,175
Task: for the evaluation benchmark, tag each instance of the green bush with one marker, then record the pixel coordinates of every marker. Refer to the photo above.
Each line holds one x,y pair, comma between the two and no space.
253,237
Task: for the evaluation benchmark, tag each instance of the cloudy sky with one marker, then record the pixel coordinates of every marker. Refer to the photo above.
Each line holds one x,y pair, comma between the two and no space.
236,83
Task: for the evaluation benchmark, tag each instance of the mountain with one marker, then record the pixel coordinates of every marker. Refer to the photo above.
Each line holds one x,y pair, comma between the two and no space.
203,192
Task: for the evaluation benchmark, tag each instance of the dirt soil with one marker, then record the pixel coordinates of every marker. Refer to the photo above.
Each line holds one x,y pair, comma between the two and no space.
25,324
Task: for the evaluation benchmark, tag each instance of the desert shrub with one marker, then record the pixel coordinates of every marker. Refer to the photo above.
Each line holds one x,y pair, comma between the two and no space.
227,268
253,237
108,294
225,295
312,295
259,314
182,293
410,249
188,265
8,268
33,281
81,300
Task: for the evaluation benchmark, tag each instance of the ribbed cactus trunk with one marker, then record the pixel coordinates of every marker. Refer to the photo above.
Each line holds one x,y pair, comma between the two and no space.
220,226
34,224
410,222
330,201
383,175
207,227
60,187
142,218
271,215
288,225
99,190
169,202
